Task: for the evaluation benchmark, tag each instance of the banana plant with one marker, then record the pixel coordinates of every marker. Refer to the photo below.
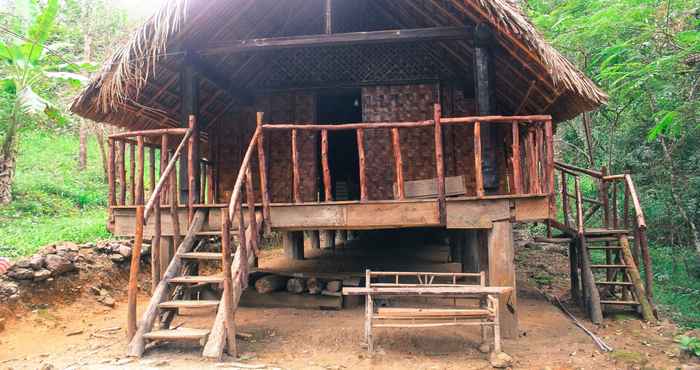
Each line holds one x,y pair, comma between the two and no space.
27,67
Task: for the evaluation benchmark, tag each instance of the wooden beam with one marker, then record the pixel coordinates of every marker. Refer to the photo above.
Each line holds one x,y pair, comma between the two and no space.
351,38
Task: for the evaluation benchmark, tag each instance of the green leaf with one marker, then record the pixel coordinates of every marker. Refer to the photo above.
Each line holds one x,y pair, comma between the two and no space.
664,125
74,79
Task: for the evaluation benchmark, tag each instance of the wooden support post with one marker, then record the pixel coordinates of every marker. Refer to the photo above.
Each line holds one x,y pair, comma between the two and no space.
152,169
398,163
517,167
327,187
361,155
314,239
139,171
540,162
615,222
262,166
296,179
328,239
132,174
502,273
192,168
478,174
121,164
174,218
250,205
134,274
156,240
439,163
646,258
591,293
229,320
328,18
189,109
293,243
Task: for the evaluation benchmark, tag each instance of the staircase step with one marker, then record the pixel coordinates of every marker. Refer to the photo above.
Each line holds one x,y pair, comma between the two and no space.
625,283
608,266
603,232
178,334
604,247
188,304
627,303
209,256
603,239
196,280
552,240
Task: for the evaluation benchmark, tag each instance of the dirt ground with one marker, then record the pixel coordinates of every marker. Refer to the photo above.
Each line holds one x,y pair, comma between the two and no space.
79,333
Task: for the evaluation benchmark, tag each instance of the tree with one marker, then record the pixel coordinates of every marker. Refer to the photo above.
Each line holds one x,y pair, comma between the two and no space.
27,67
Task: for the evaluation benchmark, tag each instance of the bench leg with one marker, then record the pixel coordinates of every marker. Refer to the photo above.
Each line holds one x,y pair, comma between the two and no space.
369,309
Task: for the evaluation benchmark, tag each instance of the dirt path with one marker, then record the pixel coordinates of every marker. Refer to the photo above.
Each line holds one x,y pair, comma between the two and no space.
85,335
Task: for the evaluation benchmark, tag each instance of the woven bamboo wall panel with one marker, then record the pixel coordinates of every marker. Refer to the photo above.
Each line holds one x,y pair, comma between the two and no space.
351,65
398,103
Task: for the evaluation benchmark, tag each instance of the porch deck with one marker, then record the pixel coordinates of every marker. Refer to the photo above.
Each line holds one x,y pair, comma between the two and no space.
464,212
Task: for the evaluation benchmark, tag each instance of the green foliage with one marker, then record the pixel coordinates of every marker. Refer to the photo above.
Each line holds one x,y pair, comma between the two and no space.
53,200
690,345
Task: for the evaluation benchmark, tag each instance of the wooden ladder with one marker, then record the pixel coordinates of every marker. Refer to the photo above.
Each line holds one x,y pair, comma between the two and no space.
610,265
175,292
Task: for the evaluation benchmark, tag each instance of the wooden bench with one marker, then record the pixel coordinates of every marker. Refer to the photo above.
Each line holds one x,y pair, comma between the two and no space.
435,285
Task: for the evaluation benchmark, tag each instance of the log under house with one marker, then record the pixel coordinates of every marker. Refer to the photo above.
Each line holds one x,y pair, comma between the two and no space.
311,117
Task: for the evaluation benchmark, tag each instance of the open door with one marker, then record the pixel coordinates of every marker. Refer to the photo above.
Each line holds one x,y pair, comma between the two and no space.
340,107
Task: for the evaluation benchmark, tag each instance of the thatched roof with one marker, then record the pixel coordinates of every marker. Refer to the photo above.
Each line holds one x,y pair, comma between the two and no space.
138,86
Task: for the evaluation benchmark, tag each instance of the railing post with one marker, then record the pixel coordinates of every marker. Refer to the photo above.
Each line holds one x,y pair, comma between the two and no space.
398,163
121,161
155,241
296,180
549,167
139,171
112,198
533,175
565,198
262,167
134,274
603,188
327,185
614,205
250,200
541,159
361,155
229,322
517,168
192,168
132,173
478,174
439,163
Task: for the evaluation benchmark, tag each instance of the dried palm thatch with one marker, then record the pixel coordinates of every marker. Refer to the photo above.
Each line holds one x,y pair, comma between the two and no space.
130,89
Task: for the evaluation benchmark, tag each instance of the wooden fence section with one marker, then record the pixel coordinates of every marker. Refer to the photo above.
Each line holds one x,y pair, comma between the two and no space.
530,171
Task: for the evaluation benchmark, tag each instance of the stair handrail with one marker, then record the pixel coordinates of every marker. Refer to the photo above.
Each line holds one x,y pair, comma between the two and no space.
166,173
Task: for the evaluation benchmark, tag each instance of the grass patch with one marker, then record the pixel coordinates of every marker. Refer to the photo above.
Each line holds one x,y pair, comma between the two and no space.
676,284
52,200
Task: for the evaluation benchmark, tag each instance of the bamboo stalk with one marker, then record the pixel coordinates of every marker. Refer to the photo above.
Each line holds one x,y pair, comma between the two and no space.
478,174
398,163
363,169
327,186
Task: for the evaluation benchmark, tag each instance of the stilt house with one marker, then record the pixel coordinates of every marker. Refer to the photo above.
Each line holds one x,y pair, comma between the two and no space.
322,116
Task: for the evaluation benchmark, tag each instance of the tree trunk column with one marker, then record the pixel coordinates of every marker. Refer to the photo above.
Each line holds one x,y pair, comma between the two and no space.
483,80
501,272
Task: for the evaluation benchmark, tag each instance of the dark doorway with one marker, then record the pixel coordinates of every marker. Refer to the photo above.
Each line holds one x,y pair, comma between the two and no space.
336,108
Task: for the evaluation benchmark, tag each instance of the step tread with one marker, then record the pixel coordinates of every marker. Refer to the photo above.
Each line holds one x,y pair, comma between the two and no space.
189,304
196,279
178,334
597,231
605,247
614,283
552,240
607,266
212,256
631,303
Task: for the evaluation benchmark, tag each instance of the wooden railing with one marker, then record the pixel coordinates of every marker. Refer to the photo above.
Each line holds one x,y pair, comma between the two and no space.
530,168
627,214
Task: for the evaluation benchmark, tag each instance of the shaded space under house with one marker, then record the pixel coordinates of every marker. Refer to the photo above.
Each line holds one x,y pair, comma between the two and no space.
320,118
